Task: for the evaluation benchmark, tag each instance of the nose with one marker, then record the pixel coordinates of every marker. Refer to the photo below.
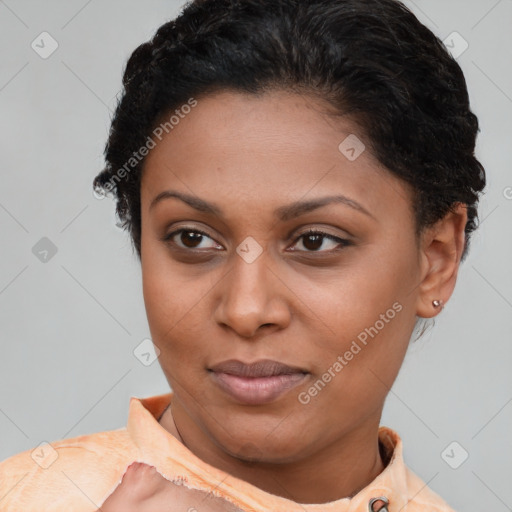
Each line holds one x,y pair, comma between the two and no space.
251,297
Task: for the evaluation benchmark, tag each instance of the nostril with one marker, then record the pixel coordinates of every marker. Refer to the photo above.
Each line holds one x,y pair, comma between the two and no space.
379,504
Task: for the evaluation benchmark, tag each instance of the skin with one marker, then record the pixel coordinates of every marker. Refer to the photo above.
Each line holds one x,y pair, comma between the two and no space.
205,304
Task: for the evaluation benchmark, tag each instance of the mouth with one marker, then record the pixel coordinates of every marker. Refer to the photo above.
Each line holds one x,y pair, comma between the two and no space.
257,383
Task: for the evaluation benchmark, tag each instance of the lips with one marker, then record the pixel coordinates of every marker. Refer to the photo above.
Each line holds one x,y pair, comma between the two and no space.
261,368
256,383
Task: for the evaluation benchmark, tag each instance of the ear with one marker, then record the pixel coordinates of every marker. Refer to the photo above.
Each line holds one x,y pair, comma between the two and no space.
441,249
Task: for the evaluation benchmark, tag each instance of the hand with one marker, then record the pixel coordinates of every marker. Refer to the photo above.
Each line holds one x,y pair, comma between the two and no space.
143,489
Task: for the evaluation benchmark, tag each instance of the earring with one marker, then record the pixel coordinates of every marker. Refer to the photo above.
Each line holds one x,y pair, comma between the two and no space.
436,303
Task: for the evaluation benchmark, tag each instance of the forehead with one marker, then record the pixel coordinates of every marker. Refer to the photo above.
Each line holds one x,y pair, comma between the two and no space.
268,149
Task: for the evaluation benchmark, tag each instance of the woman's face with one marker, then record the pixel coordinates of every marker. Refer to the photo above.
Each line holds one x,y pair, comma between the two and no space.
254,285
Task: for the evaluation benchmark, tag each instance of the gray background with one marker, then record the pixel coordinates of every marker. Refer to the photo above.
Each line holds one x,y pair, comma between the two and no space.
69,326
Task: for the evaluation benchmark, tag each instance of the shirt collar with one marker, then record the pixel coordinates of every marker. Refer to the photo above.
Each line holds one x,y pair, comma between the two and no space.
159,448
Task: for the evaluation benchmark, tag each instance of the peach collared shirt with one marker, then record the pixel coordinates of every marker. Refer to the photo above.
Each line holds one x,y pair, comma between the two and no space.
78,474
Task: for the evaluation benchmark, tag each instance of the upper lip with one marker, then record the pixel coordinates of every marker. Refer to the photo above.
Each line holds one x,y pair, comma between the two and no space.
260,368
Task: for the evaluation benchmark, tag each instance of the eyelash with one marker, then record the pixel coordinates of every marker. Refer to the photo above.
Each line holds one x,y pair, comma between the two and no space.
342,241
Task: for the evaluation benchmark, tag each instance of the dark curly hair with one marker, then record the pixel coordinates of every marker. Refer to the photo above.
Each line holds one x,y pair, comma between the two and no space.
370,59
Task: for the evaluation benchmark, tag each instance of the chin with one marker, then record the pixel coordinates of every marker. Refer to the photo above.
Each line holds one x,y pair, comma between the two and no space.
263,449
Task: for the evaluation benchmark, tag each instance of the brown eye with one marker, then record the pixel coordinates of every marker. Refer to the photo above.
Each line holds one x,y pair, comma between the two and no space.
188,238
314,240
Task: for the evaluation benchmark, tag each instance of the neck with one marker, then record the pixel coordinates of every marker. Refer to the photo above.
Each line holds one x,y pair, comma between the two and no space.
339,470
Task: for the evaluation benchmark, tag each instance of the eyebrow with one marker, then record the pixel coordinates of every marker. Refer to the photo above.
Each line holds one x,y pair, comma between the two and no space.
283,213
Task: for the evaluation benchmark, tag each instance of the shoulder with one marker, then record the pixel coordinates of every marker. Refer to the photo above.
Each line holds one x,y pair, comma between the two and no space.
73,474
411,491
422,497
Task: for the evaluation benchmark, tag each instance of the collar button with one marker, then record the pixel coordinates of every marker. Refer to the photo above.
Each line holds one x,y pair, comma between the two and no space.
379,504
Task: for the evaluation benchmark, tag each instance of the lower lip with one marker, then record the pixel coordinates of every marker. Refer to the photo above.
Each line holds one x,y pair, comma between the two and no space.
257,390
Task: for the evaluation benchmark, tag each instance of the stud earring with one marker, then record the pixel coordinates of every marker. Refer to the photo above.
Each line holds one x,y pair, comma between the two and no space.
436,303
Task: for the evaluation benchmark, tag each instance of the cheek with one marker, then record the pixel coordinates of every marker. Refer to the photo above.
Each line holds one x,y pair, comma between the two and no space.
354,298
368,316
164,290
175,309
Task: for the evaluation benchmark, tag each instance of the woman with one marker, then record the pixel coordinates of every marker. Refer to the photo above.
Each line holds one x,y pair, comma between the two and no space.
299,182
